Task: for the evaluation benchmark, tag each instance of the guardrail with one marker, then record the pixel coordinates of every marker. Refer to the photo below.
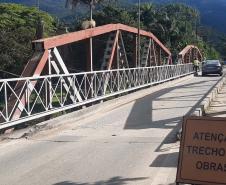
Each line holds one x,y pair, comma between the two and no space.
36,97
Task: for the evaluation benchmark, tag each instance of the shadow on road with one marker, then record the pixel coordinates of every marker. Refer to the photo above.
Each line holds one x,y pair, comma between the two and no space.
141,115
112,181
166,160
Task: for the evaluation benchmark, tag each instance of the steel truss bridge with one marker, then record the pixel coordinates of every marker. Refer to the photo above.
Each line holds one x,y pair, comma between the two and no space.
110,67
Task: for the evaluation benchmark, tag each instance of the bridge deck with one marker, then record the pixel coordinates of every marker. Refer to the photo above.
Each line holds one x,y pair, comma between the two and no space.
132,144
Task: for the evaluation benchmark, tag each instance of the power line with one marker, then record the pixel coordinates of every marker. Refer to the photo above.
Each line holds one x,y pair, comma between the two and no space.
6,72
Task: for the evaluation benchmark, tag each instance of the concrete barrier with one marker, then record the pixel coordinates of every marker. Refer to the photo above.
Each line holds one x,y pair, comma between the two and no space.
200,110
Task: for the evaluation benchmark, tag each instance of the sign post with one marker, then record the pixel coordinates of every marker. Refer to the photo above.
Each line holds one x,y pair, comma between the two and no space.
202,158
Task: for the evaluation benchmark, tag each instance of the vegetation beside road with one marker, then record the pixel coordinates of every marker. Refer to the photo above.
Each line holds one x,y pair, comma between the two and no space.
17,30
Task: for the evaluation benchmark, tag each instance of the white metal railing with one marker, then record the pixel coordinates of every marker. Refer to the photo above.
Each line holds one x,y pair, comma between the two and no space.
24,99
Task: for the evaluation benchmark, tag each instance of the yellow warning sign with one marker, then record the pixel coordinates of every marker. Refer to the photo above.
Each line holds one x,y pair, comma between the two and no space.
202,158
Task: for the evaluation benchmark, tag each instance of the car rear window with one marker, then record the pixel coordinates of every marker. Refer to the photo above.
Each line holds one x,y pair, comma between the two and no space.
212,62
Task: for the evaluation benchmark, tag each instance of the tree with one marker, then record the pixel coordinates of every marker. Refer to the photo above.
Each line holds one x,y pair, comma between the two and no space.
173,24
114,14
17,30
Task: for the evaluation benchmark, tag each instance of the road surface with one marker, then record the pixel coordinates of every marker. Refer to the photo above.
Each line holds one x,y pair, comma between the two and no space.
132,144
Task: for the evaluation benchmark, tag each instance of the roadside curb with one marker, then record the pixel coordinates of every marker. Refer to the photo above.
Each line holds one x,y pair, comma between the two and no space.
201,109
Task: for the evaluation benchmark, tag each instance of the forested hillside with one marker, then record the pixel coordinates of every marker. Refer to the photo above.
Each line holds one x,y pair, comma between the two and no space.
54,7
169,23
213,13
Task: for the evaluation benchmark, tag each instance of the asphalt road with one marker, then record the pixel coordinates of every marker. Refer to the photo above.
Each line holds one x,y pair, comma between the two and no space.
133,144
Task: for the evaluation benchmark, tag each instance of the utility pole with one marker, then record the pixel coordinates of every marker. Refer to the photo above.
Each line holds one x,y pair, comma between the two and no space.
196,25
37,4
72,4
139,15
91,39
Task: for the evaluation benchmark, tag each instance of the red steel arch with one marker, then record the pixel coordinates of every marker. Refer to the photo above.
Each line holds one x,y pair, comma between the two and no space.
157,51
189,54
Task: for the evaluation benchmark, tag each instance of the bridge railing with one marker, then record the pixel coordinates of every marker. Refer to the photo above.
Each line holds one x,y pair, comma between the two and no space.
37,97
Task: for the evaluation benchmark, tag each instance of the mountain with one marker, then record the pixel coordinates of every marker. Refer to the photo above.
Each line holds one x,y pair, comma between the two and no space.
54,7
213,12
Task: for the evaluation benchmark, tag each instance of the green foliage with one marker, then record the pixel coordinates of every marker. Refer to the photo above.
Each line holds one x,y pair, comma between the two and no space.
215,39
114,14
174,24
14,16
208,51
17,30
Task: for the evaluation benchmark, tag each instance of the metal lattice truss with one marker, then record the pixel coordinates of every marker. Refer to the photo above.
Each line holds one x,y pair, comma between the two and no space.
153,52
27,98
189,54
47,60
46,86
